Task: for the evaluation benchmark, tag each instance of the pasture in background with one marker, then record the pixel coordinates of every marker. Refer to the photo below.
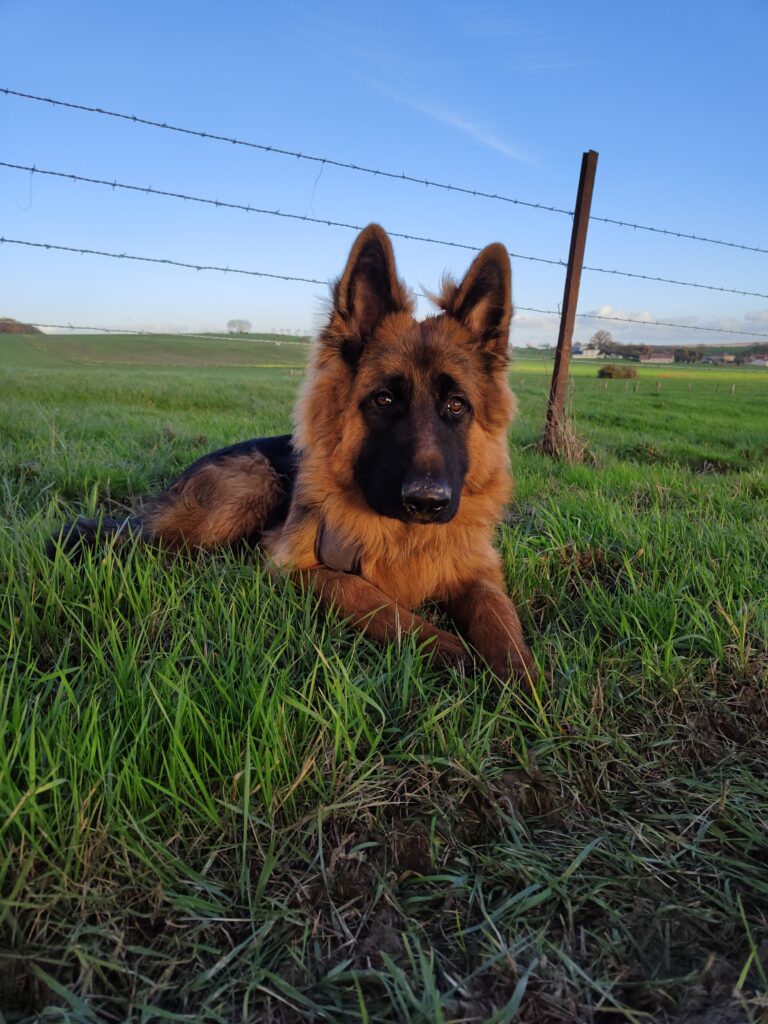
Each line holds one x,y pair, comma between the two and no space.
216,803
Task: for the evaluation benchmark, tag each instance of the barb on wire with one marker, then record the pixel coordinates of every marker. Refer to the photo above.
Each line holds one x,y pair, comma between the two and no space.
286,152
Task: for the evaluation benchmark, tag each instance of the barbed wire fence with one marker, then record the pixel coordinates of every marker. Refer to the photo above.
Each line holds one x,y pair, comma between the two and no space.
247,208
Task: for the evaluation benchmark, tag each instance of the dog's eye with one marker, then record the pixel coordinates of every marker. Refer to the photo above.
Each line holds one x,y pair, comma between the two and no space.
456,405
382,399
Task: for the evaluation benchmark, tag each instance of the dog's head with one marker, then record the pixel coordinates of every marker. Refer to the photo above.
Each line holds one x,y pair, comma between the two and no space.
403,410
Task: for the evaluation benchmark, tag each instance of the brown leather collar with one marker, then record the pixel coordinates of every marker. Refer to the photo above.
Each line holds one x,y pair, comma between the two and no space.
334,551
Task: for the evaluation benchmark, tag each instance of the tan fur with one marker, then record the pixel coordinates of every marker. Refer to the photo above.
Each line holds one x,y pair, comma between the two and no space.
218,505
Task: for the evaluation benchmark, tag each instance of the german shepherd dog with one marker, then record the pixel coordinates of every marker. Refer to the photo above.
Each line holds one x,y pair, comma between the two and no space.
387,494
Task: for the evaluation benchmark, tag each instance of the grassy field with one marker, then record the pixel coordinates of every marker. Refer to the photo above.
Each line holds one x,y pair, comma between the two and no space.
216,805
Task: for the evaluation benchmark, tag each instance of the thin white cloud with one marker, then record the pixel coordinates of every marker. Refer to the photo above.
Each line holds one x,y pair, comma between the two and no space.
479,132
363,55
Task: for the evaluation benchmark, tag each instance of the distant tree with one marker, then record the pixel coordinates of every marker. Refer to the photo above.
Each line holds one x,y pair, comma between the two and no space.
604,341
238,326
688,355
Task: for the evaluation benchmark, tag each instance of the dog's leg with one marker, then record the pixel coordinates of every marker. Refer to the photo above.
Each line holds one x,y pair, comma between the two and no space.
218,502
373,613
488,619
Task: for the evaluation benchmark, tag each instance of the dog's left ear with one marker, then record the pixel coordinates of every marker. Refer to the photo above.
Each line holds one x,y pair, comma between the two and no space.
369,289
483,300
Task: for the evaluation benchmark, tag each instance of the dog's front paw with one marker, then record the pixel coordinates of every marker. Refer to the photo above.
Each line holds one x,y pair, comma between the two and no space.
450,651
514,664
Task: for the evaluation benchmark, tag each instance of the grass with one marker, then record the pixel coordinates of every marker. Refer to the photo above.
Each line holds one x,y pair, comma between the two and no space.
217,805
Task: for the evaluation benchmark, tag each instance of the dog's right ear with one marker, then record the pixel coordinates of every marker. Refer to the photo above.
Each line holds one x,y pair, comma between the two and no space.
368,290
483,300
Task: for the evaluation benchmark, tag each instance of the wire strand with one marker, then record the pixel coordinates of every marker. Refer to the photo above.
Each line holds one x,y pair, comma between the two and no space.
285,152
155,259
212,336
247,208
678,234
649,323
311,280
477,193
671,280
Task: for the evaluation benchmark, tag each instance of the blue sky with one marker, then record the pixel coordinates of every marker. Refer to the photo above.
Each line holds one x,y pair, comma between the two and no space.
502,97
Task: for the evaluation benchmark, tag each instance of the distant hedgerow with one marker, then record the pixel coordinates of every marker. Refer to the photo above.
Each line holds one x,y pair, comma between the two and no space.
614,370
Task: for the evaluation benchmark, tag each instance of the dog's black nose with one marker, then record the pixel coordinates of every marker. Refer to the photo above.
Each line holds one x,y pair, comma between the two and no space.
425,499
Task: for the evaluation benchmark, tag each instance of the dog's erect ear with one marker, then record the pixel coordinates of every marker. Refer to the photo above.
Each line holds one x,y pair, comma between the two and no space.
483,300
369,289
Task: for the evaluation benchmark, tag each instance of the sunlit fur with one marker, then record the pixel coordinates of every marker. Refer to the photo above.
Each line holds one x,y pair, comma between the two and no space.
410,562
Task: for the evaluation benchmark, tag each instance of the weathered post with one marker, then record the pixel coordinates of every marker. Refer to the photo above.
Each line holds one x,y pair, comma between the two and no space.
556,433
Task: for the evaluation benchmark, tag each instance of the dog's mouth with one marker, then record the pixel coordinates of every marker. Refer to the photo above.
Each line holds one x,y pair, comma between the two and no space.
426,518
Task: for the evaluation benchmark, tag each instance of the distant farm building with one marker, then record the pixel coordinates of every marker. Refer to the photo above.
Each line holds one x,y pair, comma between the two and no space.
718,358
586,352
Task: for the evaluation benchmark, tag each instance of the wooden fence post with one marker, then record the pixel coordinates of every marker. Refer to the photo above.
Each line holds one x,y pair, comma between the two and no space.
556,433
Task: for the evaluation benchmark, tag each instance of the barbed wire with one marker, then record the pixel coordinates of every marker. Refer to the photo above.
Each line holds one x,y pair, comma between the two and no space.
678,234
156,259
280,277
304,344
149,190
648,323
671,280
326,161
289,341
477,193
247,336
248,208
